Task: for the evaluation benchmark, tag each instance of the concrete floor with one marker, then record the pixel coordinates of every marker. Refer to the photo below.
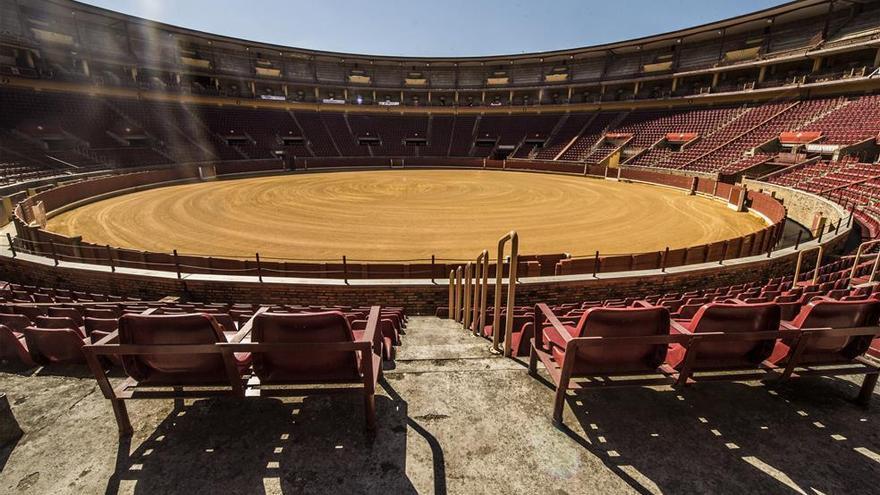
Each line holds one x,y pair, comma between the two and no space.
453,419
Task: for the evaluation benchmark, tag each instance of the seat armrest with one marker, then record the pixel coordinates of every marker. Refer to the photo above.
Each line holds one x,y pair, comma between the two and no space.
554,321
642,304
108,339
247,327
676,327
370,332
784,325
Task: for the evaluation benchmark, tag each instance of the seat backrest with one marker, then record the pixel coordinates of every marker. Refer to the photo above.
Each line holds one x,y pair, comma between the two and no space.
32,312
71,313
104,313
837,314
171,330
54,345
306,366
15,321
735,318
621,322
56,322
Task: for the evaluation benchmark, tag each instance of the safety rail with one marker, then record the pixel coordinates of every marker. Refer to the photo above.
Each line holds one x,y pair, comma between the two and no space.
857,259
800,259
481,291
259,265
513,238
469,293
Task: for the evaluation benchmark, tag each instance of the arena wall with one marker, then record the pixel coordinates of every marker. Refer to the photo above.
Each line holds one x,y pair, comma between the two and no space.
34,239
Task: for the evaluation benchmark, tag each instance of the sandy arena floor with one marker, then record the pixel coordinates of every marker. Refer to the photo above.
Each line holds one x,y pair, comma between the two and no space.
404,214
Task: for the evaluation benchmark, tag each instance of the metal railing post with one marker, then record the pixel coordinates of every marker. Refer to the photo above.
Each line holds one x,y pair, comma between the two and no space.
451,312
664,260
110,259
480,317
259,268
468,290
345,269
54,254
432,268
475,300
177,264
458,293
596,265
797,243
513,238
11,244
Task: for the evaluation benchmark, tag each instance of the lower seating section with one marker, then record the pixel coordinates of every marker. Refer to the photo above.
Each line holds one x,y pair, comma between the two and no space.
309,344
644,344
776,329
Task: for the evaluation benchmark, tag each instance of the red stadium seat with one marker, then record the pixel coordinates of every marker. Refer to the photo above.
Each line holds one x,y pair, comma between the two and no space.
175,369
328,352
610,342
55,345
716,353
13,347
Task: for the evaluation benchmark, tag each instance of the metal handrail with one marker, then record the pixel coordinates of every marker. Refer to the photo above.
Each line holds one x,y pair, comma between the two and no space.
458,294
857,259
800,259
513,238
451,312
468,291
481,291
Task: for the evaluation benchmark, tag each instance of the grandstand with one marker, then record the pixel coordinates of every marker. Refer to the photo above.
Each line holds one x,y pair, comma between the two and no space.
335,272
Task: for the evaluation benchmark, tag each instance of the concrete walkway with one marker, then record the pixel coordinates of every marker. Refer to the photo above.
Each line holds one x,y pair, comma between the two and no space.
452,419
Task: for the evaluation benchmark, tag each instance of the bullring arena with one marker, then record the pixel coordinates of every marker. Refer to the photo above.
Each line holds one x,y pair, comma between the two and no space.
405,215
644,266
